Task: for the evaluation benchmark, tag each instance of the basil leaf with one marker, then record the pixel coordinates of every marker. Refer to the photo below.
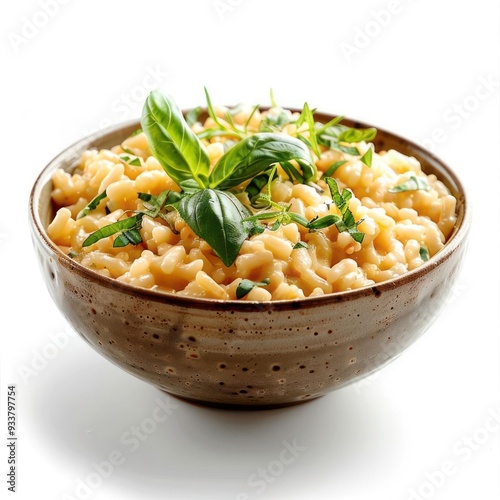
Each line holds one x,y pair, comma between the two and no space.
228,144
254,155
133,222
173,143
414,183
357,135
189,186
92,205
246,286
216,217
137,132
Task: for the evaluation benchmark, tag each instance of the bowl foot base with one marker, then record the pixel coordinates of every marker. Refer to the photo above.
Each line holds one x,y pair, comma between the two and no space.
238,407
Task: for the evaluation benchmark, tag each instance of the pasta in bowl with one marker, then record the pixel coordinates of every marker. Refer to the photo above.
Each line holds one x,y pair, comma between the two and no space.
248,256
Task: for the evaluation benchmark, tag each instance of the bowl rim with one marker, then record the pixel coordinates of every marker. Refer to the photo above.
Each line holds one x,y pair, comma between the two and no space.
459,233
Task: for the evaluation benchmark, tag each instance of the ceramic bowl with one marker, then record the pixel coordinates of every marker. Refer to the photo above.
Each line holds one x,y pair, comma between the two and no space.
241,354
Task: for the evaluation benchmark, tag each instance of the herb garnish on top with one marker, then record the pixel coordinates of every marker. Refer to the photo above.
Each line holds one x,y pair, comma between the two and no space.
207,201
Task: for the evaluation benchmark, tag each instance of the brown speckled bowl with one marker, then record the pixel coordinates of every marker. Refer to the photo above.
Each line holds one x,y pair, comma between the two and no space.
247,354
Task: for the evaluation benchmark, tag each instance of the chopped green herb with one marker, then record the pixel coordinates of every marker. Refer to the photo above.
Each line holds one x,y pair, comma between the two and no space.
300,244
322,128
133,222
223,128
307,116
414,183
333,134
283,216
129,227
250,116
357,135
92,205
347,223
133,236
329,137
135,161
424,254
246,286
273,123
367,157
145,196
333,168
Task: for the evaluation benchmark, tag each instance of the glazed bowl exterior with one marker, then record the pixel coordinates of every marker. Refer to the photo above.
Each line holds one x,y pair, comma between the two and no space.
239,353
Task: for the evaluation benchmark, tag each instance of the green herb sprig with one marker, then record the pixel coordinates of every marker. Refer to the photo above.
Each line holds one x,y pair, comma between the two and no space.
246,286
414,183
345,222
206,204
207,201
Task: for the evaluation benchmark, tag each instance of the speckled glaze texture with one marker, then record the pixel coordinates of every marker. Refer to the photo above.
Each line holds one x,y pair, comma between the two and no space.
244,354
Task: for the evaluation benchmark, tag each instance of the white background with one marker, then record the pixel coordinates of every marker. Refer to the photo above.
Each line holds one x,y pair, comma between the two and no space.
420,72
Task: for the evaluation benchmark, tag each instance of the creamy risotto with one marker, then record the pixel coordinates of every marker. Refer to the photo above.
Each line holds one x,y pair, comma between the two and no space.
402,216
